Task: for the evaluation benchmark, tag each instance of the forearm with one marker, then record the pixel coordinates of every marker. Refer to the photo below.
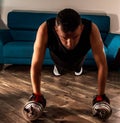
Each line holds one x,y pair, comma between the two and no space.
102,78
36,80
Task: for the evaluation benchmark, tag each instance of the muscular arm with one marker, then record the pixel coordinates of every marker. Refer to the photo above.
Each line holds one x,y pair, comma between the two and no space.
100,58
37,58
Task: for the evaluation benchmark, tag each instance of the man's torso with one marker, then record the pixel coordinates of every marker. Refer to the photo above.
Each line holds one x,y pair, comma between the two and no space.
59,53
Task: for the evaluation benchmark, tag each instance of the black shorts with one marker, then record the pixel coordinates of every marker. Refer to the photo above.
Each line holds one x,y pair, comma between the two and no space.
75,66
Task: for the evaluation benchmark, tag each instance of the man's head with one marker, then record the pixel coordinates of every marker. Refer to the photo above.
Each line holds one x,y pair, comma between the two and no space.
69,27
69,20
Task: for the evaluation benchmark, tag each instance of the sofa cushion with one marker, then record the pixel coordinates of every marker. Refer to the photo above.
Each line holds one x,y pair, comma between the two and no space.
23,35
23,25
113,44
27,20
18,49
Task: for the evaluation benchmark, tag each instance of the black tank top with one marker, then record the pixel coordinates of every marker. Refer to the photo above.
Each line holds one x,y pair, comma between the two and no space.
59,52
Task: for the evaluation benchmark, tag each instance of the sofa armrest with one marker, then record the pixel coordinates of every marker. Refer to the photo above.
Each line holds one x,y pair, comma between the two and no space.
112,42
5,36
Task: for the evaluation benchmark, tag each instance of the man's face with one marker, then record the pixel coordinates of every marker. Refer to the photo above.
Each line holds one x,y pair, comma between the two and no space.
69,39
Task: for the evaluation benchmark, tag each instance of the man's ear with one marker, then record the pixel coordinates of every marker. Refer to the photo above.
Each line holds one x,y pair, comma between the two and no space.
56,28
82,26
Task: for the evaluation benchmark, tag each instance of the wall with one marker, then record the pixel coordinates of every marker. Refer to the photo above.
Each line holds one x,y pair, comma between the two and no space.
108,7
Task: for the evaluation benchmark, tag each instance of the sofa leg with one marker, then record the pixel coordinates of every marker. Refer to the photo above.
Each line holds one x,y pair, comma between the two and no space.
5,66
116,63
1,67
117,59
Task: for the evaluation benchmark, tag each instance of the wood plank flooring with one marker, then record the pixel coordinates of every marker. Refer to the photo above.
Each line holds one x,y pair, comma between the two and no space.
68,97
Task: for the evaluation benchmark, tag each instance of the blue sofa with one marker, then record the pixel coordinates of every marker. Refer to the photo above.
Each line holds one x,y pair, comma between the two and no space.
16,42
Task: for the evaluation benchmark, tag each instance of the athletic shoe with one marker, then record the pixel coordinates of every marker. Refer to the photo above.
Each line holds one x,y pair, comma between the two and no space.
55,71
78,73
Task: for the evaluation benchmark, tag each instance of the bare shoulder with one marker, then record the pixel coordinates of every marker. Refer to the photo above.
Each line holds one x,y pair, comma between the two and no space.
42,28
42,35
95,33
94,29
96,40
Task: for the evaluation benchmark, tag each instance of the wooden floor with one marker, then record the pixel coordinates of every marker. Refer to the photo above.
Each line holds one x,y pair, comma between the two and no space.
68,97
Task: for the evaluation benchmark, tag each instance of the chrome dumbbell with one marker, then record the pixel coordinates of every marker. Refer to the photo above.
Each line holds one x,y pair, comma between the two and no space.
32,110
102,110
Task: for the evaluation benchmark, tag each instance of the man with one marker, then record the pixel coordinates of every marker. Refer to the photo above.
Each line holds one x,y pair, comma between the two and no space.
68,38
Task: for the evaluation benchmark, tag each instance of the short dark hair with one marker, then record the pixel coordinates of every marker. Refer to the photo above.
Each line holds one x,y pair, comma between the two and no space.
69,19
